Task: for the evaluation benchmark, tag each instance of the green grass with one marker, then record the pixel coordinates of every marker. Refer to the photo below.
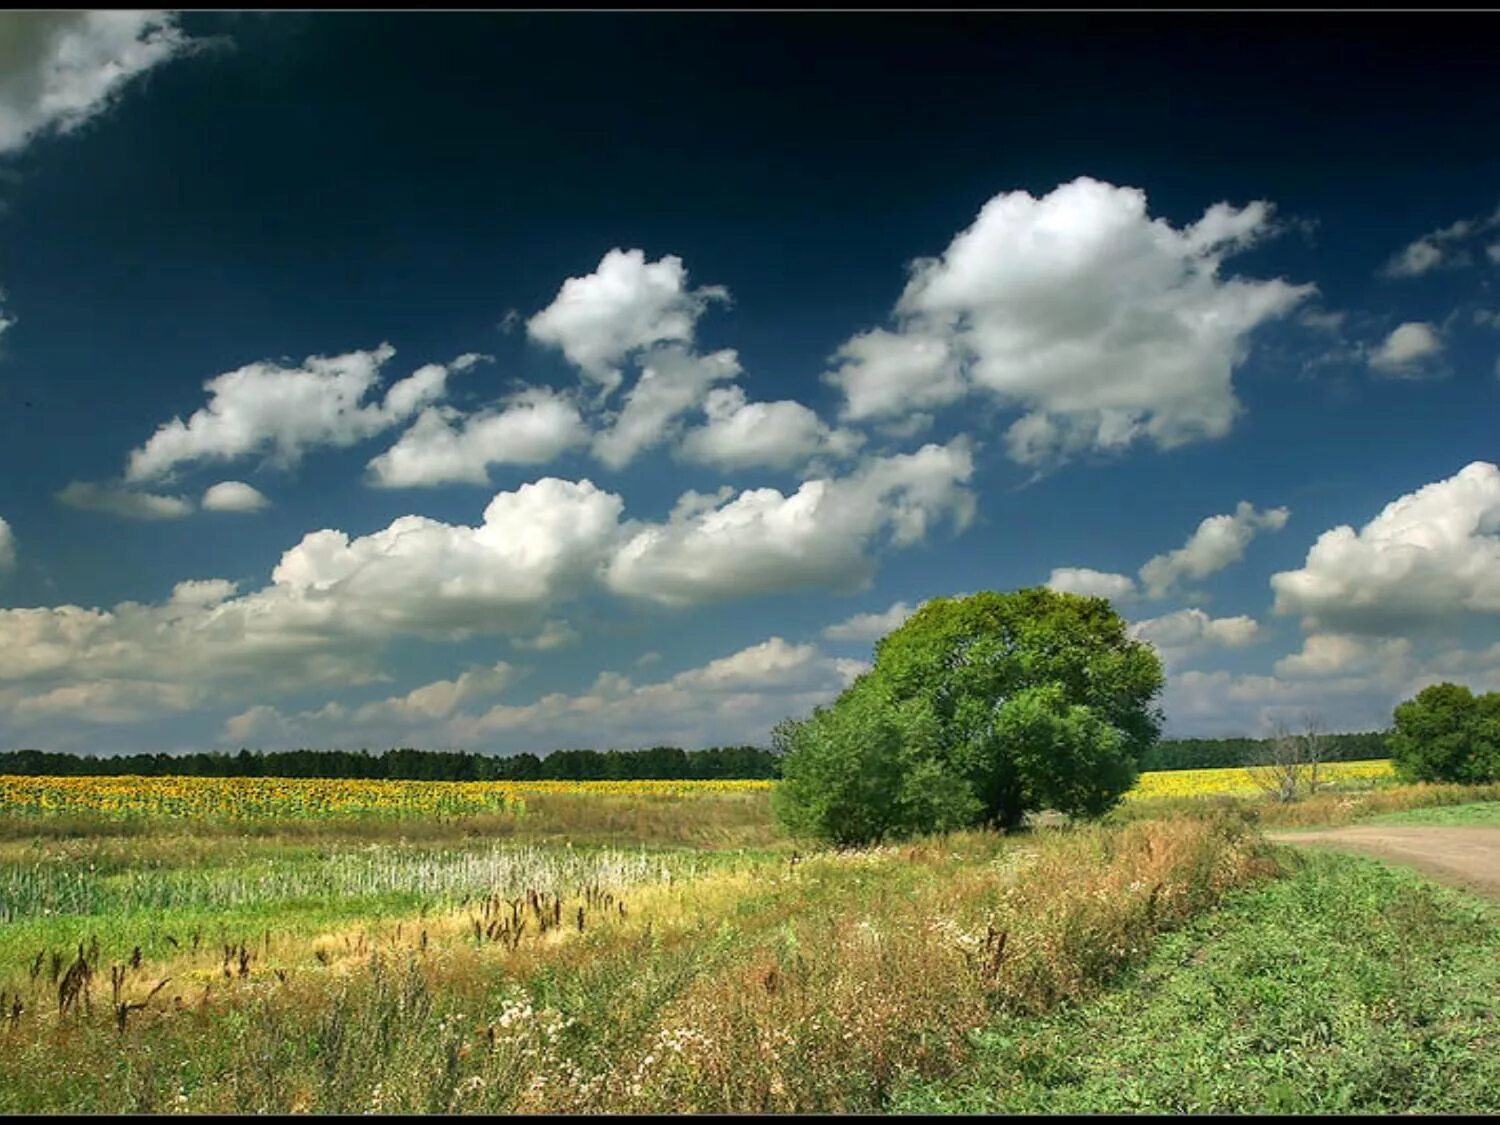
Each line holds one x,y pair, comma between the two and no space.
1345,987
1481,814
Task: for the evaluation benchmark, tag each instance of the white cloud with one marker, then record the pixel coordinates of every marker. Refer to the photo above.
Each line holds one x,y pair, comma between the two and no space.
1406,351
233,496
1441,248
1430,555
7,545
1105,326
1188,631
419,575
117,501
883,374
870,626
625,305
203,592
763,541
1092,583
1337,654
280,411
442,447
736,698
1218,542
779,435
673,380
58,69
553,635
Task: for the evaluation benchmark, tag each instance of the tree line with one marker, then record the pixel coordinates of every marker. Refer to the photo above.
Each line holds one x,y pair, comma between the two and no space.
1208,753
666,763
659,763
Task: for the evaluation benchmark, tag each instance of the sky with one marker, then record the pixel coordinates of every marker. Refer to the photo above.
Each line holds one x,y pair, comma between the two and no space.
514,382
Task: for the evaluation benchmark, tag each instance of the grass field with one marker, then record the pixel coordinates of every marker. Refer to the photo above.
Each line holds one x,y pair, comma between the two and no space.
615,947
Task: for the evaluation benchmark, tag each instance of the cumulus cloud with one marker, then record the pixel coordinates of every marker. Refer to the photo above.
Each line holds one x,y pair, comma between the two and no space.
233,496
1092,583
1406,352
673,380
1431,555
625,305
419,575
1218,542
1188,631
7,546
821,535
1106,327
1446,247
443,446
870,626
264,408
116,500
884,374
1337,654
59,69
780,435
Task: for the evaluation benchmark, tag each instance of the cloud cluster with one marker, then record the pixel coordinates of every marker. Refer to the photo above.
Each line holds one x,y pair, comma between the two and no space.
734,698
762,540
335,600
1187,632
59,69
627,304
233,496
1092,583
1104,326
7,546
264,408
1408,352
115,500
1218,542
870,626
740,434
1443,248
1428,557
532,427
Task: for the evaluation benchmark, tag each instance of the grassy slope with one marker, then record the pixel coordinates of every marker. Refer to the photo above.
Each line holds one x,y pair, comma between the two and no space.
1346,987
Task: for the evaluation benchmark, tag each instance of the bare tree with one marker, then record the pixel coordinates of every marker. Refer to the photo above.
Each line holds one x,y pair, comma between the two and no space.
1290,765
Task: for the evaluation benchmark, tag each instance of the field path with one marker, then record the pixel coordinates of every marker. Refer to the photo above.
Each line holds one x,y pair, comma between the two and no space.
1463,856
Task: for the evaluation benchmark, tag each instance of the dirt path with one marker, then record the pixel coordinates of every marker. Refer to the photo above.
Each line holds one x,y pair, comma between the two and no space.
1465,857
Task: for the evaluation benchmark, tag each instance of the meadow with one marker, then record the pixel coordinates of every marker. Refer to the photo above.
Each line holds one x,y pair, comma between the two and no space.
259,945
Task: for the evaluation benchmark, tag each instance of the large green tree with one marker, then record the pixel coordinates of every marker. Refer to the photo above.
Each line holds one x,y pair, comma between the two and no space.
1447,733
976,711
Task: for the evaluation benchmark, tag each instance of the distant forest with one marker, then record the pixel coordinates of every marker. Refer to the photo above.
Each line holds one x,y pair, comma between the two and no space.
659,762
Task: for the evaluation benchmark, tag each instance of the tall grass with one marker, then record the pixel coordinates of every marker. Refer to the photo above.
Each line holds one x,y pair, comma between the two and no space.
789,984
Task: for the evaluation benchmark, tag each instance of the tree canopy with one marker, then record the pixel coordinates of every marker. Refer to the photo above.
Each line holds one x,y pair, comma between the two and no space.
1447,733
976,711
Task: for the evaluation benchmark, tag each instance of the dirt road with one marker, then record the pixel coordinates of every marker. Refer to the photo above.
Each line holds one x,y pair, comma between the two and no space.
1464,857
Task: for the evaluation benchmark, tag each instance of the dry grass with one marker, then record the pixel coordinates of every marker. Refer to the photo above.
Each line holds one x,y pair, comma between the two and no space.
785,984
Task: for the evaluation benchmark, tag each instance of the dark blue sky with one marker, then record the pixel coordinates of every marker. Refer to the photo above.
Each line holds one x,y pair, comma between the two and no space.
274,187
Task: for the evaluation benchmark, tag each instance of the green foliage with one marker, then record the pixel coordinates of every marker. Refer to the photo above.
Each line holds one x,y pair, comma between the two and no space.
977,710
1211,753
1447,733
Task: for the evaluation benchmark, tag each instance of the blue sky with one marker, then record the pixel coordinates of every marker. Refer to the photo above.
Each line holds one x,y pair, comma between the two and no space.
525,381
